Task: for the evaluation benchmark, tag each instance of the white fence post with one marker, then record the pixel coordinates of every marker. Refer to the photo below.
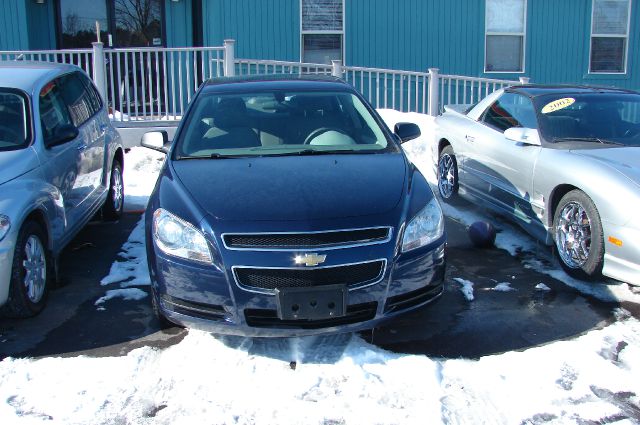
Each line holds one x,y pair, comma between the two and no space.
99,69
229,58
433,91
524,80
336,68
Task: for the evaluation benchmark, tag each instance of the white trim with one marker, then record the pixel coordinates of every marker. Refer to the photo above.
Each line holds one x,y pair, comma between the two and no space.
624,36
342,41
520,34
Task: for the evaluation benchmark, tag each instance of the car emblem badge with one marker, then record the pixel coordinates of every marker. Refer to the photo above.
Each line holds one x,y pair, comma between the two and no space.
310,260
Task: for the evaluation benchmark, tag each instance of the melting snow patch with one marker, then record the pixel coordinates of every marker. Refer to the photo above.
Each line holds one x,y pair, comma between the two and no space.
134,269
542,287
141,169
466,289
503,287
128,294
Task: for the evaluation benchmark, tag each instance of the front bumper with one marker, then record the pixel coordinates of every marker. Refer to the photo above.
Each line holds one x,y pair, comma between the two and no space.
208,298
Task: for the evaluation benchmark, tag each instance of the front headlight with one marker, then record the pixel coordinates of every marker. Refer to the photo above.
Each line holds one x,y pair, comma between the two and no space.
176,237
5,225
426,227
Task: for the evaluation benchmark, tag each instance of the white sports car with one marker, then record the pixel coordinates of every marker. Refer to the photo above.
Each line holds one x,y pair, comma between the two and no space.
561,161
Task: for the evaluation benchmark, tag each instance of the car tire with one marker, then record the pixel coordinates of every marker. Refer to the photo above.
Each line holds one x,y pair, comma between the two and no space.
31,273
447,174
578,236
112,209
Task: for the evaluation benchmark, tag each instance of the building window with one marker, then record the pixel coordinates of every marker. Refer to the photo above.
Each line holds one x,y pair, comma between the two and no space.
505,25
609,36
123,23
322,30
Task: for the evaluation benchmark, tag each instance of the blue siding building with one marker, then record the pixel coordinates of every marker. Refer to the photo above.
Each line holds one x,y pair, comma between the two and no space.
550,41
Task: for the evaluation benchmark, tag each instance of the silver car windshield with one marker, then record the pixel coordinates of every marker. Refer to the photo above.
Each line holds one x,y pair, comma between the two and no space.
14,120
279,123
606,118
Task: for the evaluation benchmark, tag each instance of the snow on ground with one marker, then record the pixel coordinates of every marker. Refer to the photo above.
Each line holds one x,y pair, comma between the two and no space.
141,167
338,379
466,287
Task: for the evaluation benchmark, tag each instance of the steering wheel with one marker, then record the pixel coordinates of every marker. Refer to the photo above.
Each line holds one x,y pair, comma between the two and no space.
17,136
318,131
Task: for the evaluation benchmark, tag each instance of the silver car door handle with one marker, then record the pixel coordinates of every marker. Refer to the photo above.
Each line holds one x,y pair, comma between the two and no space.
470,138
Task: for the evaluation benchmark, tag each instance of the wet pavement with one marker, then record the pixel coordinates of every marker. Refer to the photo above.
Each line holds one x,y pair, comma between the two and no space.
453,327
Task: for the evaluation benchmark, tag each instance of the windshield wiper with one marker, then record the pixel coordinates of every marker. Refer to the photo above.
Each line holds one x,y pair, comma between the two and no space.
211,156
587,139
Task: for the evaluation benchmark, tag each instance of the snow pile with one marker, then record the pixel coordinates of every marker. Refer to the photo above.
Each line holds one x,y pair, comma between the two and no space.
128,294
141,168
337,379
133,270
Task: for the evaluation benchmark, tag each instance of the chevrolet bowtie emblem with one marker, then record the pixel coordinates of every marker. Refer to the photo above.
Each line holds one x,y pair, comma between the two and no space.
310,260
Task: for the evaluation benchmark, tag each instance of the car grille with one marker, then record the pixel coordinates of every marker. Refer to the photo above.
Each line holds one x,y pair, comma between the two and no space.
313,240
269,279
262,318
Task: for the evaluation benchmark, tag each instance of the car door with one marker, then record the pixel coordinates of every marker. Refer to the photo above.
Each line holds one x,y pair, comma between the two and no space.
61,158
501,170
83,111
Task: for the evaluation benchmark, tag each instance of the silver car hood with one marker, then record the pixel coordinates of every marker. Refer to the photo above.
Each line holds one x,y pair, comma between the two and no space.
13,164
625,160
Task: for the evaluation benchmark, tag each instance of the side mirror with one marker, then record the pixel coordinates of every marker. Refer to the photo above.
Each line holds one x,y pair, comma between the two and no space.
406,131
63,134
526,136
156,140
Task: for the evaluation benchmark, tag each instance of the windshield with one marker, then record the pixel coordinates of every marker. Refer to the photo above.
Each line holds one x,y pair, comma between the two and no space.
608,118
278,123
14,120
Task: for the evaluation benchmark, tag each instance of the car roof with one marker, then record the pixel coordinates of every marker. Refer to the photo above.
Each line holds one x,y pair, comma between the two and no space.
27,75
276,82
533,90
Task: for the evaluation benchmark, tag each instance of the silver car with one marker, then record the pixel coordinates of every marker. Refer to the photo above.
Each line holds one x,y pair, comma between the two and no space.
60,163
561,161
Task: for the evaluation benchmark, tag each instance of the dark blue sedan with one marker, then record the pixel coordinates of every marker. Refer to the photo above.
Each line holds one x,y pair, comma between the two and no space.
286,207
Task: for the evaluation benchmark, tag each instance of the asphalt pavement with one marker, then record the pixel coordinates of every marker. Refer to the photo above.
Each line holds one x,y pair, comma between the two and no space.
452,327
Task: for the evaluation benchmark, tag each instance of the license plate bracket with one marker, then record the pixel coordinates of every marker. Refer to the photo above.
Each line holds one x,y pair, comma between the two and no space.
314,303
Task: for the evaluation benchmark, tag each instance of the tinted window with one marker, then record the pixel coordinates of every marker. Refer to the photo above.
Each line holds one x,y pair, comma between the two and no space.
94,97
53,111
510,110
77,99
614,117
14,121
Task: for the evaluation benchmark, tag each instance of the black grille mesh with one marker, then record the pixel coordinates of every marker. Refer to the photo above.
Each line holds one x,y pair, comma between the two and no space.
306,240
300,278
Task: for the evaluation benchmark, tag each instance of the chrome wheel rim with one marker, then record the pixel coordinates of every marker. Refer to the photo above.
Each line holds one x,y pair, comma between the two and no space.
573,235
116,188
35,266
446,176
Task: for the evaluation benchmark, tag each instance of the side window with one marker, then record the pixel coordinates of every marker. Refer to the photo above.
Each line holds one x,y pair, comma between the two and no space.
53,111
77,99
92,92
510,110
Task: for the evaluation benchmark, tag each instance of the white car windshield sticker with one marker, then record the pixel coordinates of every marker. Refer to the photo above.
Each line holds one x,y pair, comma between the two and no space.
556,105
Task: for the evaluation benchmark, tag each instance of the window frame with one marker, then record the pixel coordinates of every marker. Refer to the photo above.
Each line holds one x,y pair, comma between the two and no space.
321,32
593,35
520,34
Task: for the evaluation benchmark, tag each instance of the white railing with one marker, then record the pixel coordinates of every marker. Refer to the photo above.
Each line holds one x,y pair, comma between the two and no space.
149,84
157,84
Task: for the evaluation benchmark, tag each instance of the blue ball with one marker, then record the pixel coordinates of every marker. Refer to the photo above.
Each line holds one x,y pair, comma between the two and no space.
482,234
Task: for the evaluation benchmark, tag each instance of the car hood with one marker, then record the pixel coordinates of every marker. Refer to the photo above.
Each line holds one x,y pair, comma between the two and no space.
13,164
625,160
295,187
